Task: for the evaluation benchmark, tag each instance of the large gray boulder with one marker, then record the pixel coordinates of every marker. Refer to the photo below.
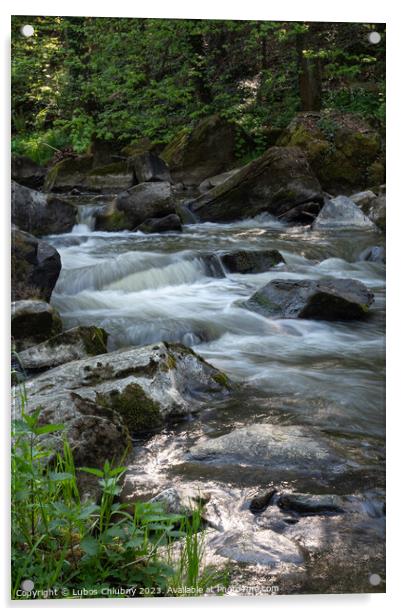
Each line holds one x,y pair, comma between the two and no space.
25,171
40,213
134,206
148,167
33,321
75,343
207,150
327,299
82,173
137,389
280,182
35,267
342,213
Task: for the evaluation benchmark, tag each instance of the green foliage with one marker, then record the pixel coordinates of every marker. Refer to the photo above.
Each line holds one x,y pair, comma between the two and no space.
62,542
125,79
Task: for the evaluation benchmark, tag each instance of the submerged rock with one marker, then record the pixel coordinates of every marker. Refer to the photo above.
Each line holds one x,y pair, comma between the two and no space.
134,390
311,503
277,182
135,206
342,212
328,299
375,254
35,267
75,343
260,547
161,225
40,213
251,261
293,449
180,500
33,321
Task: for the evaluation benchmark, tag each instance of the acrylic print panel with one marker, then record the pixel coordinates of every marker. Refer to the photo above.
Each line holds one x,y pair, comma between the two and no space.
198,307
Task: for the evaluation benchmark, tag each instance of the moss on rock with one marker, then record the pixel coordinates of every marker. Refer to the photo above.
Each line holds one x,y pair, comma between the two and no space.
139,412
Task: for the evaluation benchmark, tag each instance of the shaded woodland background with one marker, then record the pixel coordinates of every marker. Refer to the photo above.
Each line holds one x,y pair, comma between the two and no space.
82,78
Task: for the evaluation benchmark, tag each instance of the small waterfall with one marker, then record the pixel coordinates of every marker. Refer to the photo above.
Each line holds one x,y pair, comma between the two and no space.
86,219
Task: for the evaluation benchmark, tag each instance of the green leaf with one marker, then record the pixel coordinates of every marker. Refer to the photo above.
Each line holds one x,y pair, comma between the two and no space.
48,429
90,546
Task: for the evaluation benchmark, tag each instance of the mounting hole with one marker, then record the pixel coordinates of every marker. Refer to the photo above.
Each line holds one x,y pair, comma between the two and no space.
374,38
374,579
27,30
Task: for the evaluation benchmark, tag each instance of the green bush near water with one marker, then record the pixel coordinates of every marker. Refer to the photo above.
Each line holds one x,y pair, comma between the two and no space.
70,547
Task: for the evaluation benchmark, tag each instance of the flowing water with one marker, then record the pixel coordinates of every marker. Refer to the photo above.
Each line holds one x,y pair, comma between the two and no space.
323,376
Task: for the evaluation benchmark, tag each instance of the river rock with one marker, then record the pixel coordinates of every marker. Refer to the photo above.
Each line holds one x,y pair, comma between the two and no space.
277,182
75,343
138,388
39,213
216,180
328,299
311,503
161,225
364,198
180,500
260,547
376,211
343,213
343,150
81,173
251,261
375,254
136,205
26,172
35,267
33,321
207,150
149,168
289,449
261,500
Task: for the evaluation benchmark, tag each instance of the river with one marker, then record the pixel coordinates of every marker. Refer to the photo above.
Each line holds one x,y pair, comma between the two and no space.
323,377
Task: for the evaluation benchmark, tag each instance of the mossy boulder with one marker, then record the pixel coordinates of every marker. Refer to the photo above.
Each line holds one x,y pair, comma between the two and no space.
35,267
344,151
68,173
130,391
278,182
140,413
82,174
75,343
329,299
39,213
207,150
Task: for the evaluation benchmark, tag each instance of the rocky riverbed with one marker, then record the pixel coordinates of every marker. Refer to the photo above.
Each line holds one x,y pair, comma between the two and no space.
304,417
